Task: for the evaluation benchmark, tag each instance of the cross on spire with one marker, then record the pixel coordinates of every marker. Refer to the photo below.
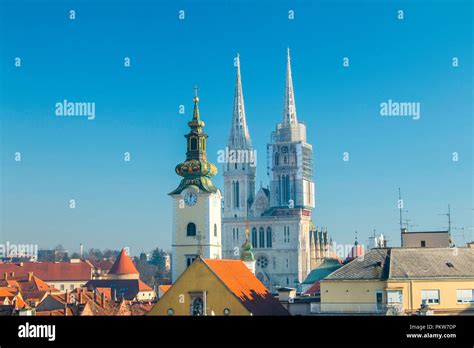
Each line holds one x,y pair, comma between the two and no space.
199,237
196,89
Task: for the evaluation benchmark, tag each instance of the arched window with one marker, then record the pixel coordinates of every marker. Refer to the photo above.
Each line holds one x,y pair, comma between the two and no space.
254,237
269,237
261,239
276,158
191,230
197,307
215,230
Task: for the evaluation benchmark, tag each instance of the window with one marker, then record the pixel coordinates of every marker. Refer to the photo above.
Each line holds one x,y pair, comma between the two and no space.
286,234
190,259
61,286
254,237
71,287
423,243
170,311
193,144
262,262
191,229
276,158
261,239
269,237
430,296
235,193
237,234
226,311
465,296
233,233
215,230
394,297
197,308
379,300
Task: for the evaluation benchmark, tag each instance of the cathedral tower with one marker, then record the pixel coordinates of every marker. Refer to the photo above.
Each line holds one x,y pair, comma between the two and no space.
290,157
196,203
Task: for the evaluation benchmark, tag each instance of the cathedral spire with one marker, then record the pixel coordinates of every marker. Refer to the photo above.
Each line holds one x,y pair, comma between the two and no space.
289,110
239,134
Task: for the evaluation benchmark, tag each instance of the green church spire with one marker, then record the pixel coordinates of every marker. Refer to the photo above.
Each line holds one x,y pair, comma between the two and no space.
246,253
196,170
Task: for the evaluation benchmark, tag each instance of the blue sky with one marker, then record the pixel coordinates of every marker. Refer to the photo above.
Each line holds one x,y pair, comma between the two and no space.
126,204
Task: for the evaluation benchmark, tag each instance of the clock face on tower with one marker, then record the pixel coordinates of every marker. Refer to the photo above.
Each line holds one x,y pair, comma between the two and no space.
190,198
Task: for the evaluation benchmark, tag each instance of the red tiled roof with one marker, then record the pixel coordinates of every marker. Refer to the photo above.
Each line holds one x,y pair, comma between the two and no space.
123,265
164,288
4,292
48,271
104,265
248,289
106,291
142,286
314,289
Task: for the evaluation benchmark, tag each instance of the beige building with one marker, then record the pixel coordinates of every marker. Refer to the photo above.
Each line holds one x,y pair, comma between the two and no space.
64,276
389,281
433,239
217,287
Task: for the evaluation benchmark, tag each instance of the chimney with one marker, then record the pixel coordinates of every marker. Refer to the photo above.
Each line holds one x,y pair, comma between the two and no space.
81,297
67,296
30,276
102,300
5,276
12,274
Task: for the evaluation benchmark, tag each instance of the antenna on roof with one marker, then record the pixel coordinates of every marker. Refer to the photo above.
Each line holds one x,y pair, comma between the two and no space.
400,208
448,214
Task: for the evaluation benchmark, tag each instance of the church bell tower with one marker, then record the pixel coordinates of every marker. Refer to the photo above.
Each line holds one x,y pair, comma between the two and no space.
196,202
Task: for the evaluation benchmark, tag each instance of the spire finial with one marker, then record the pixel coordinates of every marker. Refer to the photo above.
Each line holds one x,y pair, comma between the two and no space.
196,98
196,101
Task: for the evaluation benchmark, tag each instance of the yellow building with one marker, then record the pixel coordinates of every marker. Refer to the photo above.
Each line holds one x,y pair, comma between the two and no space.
217,287
394,281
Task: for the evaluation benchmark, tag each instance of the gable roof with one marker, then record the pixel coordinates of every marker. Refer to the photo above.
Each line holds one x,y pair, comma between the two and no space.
120,288
328,266
372,266
123,265
48,271
409,263
245,286
423,263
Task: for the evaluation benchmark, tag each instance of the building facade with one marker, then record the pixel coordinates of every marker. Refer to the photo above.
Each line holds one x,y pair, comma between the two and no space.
281,233
398,281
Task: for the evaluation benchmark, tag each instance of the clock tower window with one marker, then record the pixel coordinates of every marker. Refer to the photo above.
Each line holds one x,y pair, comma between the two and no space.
191,229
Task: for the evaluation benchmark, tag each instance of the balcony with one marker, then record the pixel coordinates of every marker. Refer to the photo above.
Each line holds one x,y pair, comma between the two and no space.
360,308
